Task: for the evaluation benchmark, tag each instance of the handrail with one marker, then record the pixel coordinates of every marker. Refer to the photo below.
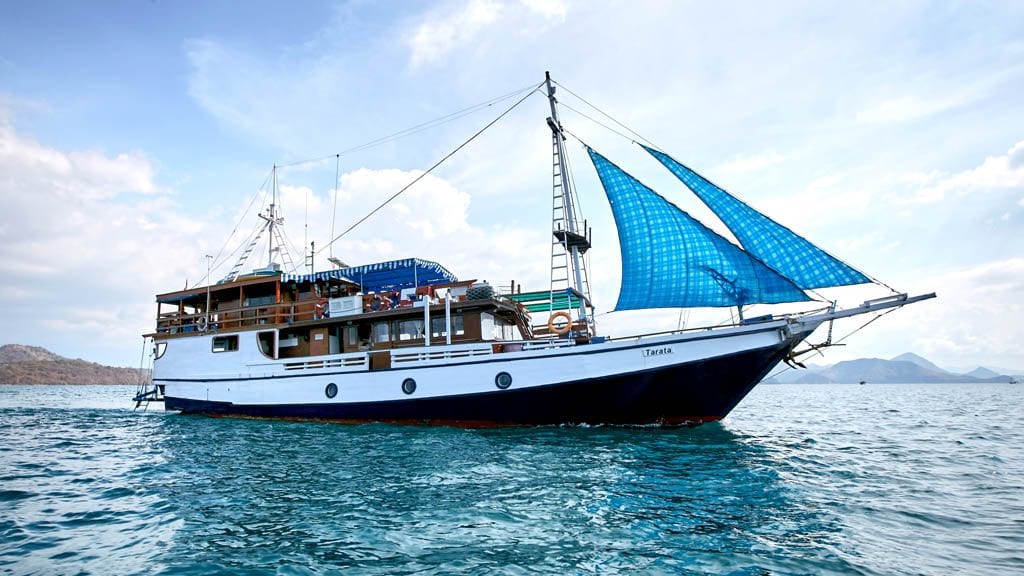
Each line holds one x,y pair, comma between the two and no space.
238,317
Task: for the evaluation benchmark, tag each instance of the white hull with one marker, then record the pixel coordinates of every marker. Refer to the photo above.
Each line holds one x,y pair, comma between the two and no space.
244,382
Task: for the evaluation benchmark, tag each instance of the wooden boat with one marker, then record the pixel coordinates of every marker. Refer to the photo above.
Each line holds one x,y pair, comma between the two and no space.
406,341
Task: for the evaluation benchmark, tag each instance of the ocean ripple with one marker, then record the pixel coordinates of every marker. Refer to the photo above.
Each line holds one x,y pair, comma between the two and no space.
917,479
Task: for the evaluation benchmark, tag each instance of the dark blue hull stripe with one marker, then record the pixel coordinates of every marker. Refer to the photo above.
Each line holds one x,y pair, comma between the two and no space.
684,394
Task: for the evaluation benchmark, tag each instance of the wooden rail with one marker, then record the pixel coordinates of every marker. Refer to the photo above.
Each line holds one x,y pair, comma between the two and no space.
233,318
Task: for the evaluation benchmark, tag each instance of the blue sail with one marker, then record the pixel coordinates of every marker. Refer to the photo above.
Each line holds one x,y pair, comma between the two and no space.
777,246
669,259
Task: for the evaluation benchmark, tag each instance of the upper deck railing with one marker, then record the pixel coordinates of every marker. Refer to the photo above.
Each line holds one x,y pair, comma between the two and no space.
236,318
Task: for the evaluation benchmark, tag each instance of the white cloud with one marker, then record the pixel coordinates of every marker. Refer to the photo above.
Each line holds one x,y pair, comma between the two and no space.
460,26
968,319
751,163
86,241
439,35
281,98
1015,156
822,202
907,108
943,94
996,172
966,324
550,9
430,220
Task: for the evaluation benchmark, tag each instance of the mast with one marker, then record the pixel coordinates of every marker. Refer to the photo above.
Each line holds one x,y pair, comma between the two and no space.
571,239
271,219
273,224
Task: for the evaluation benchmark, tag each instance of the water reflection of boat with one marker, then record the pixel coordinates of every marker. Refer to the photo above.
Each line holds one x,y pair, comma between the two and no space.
407,341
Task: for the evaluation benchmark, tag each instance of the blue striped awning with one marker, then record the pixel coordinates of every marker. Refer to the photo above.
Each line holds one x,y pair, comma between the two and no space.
383,276
317,277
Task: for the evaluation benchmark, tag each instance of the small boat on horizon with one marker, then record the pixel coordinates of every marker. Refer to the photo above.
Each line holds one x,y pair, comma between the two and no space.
406,341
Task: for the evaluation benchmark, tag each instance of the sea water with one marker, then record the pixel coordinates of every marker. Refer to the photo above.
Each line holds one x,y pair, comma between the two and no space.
830,479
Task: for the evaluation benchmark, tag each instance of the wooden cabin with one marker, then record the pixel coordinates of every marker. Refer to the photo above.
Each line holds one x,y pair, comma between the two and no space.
373,308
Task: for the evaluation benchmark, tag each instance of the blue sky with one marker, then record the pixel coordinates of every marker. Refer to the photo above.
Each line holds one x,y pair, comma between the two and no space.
133,135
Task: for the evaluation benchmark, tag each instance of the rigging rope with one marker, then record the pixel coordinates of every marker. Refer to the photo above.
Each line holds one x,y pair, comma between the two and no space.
248,240
606,115
334,214
431,169
142,386
419,127
838,342
305,229
216,261
376,142
598,122
288,246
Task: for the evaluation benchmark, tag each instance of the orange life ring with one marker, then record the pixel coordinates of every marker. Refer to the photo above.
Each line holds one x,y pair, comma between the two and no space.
563,329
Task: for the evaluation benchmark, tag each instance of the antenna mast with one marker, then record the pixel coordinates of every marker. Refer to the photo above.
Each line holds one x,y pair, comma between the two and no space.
273,224
272,219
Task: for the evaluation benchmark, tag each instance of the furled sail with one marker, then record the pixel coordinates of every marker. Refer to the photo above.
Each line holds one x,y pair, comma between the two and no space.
669,259
777,246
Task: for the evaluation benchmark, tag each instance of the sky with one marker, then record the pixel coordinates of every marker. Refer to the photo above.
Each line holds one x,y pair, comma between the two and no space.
136,137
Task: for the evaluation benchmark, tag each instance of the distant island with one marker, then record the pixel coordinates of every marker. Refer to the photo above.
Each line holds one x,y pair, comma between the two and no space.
908,368
20,364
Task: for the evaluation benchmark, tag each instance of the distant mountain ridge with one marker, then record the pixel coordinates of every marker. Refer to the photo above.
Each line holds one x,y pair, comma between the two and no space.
20,364
982,372
906,368
920,361
20,353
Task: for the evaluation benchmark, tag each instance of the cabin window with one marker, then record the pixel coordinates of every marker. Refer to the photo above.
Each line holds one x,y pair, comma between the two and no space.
260,300
225,343
381,333
287,340
437,327
500,330
352,336
409,329
487,326
267,341
158,350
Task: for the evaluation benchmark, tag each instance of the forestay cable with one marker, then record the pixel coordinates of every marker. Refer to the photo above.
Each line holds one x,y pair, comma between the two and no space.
431,169
417,128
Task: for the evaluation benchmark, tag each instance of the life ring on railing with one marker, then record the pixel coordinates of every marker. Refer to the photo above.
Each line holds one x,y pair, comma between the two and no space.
321,310
201,324
561,330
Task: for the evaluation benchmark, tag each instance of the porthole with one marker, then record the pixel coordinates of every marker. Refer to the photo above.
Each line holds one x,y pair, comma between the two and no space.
332,390
503,380
408,385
